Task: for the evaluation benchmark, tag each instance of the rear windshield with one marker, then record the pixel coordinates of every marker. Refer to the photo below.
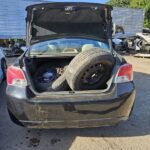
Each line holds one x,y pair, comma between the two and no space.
66,46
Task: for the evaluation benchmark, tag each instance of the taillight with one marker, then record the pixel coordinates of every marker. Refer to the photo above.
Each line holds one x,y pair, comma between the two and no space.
16,77
124,74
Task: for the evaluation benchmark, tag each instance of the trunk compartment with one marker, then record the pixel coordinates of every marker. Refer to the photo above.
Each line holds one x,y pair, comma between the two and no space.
42,72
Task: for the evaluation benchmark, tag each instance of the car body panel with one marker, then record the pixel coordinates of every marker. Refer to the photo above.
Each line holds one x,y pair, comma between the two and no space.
74,110
144,36
1,74
1,57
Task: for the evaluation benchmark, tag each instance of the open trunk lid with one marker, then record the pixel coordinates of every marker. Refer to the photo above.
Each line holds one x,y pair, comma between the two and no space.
48,20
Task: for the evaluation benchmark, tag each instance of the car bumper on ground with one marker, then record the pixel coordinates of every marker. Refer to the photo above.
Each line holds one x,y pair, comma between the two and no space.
73,111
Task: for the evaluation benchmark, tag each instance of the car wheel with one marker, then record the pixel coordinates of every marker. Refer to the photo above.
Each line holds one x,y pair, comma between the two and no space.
90,69
60,84
43,78
140,44
49,83
14,119
4,68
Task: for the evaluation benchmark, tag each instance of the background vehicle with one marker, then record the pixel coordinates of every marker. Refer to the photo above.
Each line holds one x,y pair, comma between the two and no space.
14,49
3,65
127,42
95,84
143,42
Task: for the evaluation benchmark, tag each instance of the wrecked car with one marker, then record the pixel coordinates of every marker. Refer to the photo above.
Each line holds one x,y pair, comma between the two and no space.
69,77
143,41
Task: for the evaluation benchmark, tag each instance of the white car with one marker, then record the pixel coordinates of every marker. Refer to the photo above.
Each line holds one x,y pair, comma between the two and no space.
3,66
143,41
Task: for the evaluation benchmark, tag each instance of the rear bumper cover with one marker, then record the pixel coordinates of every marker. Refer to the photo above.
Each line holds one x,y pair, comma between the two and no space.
60,111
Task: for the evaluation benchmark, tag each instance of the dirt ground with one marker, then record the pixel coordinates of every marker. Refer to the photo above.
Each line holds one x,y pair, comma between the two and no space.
139,64
133,134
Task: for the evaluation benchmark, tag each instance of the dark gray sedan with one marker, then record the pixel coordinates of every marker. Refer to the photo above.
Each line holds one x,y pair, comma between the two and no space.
69,77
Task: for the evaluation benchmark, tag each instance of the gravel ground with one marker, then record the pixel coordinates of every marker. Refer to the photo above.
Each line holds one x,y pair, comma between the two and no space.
133,134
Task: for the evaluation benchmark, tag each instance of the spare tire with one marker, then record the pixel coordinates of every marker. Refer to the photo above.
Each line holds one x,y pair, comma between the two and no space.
90,69
60,84
44,77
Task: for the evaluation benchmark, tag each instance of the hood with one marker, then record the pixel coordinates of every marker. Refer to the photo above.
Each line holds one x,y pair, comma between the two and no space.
49,20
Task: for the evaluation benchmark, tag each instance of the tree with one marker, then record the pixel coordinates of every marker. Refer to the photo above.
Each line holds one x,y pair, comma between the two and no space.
119,3
145,4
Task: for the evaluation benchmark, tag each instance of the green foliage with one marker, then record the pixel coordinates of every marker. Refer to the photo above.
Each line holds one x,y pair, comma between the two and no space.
145,4
119,3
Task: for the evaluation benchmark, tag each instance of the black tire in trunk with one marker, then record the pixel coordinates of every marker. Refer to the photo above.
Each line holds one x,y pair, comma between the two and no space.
60,84
49,75
44,77
90,69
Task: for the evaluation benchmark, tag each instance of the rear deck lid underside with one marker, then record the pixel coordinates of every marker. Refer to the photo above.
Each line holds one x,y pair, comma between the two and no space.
74,19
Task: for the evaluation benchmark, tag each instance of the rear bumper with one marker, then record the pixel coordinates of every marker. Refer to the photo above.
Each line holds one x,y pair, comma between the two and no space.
60,111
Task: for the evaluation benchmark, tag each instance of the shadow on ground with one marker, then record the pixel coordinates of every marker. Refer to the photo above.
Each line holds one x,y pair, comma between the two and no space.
20,138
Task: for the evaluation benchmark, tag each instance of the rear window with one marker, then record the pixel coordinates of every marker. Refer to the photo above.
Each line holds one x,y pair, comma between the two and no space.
66,46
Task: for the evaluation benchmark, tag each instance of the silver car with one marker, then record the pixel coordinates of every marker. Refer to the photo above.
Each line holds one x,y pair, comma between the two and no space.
3,66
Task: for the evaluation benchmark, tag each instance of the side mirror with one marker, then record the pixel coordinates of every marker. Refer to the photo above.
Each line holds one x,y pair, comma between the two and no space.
24,48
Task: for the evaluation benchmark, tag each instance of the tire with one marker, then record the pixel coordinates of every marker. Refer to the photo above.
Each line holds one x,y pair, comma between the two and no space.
89,70
60,84
14,119
40,85
4,68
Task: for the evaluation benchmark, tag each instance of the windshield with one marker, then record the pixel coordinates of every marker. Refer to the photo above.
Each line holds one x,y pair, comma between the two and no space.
66,46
